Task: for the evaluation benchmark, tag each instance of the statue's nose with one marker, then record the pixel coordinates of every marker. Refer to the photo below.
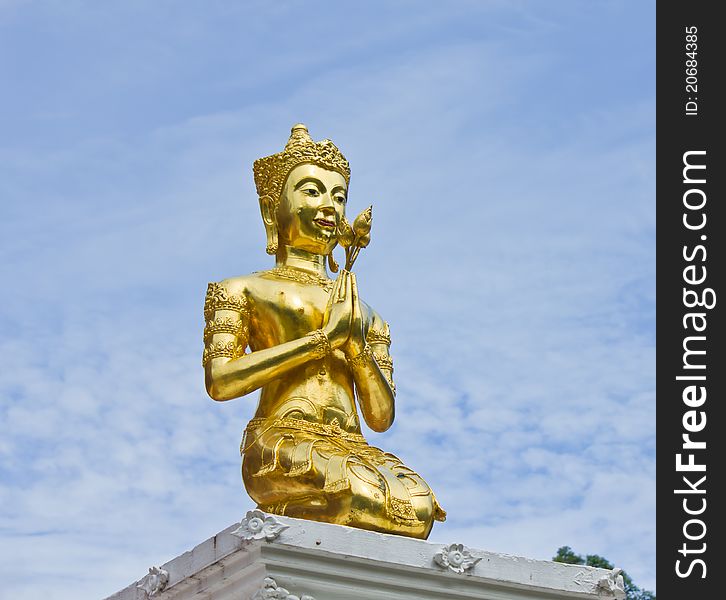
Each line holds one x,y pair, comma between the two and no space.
326,205
328,211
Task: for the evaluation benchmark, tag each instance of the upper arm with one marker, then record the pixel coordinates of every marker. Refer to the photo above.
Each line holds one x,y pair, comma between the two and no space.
226,329
379,339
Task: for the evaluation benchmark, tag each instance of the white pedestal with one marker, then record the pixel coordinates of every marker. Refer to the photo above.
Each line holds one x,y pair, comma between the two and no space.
332,562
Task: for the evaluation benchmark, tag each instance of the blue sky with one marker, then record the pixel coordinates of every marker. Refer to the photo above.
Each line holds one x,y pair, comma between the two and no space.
508,149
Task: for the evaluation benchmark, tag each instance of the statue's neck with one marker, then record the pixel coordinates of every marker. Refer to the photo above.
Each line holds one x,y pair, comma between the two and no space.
288,256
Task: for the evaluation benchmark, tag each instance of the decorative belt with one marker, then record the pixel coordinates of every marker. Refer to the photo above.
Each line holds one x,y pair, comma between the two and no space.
332,429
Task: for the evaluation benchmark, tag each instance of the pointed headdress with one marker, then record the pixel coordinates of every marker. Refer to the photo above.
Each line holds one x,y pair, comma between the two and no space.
271,171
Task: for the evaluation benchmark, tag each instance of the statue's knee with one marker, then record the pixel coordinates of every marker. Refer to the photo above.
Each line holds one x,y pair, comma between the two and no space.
423,506
367,487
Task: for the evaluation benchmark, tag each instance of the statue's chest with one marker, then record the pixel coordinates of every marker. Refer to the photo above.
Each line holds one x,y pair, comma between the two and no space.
290,310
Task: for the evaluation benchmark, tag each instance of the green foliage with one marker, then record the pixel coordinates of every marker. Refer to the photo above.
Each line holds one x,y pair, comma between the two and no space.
642,595
565,554
593,560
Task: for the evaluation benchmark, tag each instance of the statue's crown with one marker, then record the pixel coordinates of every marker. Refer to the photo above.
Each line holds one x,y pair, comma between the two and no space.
272,171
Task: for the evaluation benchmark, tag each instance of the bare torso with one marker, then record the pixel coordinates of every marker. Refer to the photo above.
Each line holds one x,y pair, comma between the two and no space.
283,310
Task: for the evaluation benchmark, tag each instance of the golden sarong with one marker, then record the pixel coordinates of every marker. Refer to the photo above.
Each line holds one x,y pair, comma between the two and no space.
306,461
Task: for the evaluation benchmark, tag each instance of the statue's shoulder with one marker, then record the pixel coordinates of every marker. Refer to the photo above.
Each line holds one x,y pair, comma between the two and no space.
229,294
249,287
374,320
236,286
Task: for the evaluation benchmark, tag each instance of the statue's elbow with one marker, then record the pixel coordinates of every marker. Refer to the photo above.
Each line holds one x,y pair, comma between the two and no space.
215,390
222,386
380,423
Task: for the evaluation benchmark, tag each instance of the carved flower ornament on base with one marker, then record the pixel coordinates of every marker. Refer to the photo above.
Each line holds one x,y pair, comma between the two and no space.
271,591
456,558
612,583
259,526
155,582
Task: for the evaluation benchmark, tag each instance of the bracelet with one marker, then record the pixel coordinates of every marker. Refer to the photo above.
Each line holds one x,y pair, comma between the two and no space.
322,343
360,360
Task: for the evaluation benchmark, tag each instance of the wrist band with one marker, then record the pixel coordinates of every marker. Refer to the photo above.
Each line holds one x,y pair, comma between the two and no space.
322,344
362,358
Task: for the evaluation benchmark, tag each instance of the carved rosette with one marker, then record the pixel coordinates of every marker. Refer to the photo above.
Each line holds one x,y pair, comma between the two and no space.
259,526
456,558
155,582
271,591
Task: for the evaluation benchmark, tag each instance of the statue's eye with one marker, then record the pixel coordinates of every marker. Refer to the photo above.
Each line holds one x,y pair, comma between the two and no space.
341,199
310,192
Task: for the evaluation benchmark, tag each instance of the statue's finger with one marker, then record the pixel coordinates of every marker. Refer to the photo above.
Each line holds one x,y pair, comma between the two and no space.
354,287
334,291
340,291
347,290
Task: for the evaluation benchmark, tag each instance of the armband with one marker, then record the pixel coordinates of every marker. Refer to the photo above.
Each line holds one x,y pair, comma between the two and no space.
221,350
384,362
378,336
218,298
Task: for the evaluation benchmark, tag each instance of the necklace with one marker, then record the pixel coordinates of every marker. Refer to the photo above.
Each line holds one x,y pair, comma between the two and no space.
303,277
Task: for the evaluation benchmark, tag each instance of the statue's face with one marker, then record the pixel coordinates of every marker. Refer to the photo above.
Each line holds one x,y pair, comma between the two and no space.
312,205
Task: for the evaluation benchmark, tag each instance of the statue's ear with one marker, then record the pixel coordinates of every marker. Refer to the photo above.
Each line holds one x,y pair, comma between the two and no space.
267,208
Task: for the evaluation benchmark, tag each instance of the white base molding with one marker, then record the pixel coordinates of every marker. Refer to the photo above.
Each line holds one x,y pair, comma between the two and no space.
279,558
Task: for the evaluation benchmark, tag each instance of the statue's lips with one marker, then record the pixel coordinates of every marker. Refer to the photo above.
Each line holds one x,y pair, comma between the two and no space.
325,223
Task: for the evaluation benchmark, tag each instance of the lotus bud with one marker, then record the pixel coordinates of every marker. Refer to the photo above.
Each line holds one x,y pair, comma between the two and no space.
346,236
364,240
362,223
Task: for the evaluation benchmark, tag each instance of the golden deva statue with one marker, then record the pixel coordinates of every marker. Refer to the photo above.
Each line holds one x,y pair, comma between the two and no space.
308,342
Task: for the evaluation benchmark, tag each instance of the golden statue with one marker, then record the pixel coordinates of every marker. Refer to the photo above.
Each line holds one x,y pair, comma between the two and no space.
308,342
